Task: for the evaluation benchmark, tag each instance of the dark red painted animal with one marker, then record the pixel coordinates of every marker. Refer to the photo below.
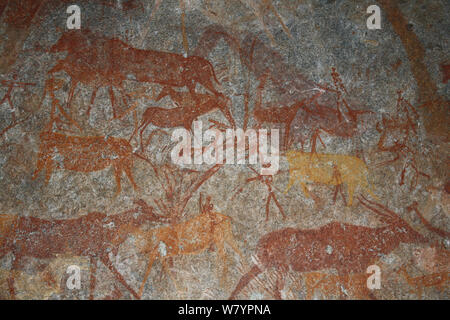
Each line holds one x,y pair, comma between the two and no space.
166,118
343,247
92,235
189,108
329,112
278,114
200,103
338,120
102,62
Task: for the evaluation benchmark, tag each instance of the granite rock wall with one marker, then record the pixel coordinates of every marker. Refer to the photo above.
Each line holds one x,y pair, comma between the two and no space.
88,182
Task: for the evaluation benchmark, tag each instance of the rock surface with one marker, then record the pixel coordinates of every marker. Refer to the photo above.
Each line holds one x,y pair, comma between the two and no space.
87,178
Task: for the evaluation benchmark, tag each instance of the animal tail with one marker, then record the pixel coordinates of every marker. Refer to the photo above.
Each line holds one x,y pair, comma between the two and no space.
245,279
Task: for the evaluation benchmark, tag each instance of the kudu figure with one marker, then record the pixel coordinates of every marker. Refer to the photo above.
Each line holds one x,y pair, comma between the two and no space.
93,235
193,236
98,61
346,248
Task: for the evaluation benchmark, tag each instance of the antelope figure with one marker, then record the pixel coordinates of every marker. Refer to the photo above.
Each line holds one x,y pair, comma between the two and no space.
189,107
92,235
199,103
346,248
330,169
84,154
190,237
279,114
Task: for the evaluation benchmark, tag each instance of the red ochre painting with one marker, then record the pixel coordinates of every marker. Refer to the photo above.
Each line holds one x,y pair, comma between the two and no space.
93,205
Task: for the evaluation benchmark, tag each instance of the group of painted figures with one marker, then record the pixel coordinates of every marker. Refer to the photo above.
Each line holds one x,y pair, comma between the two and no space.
96,61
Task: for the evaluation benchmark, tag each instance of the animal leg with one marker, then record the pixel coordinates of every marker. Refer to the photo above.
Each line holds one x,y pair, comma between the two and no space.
113,101
39,166
368,188
93,95
229,116
245,279
48,171
12,290
208,84
135,125
93,279
232,243
419,291
312,282
73,86
167,269
117,274
166,91
279,285
144,125
128,172
151,260
221,257
287,130
291,181
117,174
125,99
12,277
191,84
11,106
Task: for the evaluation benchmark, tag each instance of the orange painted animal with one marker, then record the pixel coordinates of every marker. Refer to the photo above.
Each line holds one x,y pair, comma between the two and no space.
190,237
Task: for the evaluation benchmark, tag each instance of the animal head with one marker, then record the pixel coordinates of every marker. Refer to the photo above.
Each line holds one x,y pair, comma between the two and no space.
207,206
403,231
72,40
131,221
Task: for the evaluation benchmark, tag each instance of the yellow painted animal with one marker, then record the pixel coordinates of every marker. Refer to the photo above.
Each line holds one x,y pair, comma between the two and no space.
329,169
188,238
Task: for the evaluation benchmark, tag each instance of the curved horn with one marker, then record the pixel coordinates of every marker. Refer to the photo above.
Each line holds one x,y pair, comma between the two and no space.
427,224
377,208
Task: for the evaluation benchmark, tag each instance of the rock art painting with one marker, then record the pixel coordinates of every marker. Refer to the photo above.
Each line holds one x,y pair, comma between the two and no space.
94,206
